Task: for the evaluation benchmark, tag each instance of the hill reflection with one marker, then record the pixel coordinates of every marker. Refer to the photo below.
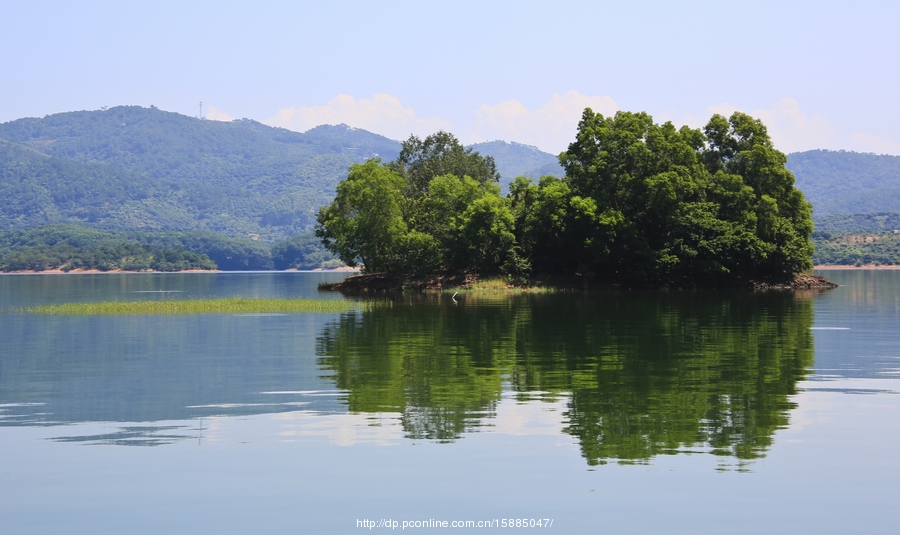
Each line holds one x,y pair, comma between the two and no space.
642,374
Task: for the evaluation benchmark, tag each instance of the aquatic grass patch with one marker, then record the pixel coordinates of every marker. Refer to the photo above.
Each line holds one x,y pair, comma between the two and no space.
236,305
496,285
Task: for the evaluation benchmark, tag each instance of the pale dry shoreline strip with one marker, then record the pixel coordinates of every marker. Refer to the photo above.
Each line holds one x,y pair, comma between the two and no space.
234,305
845,267
58,271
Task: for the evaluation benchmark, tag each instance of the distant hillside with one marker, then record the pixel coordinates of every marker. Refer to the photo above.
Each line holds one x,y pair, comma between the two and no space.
514,159
858,223
142,168
133,167
839,182
37,189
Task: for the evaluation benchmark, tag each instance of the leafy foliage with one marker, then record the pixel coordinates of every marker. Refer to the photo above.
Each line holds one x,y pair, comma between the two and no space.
673,206
640,203
365,221
421,213
440,154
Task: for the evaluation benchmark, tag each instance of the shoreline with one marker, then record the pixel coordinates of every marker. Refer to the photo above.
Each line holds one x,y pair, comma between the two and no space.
866,266
57,271
364,283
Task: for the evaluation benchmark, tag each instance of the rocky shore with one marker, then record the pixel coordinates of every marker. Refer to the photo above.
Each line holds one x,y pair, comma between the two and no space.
378,283
800,281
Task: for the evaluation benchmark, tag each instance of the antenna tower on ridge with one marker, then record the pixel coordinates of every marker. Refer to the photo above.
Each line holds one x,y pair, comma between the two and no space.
201,110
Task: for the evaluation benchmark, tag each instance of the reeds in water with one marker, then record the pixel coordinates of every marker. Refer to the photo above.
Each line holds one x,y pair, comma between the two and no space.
497,285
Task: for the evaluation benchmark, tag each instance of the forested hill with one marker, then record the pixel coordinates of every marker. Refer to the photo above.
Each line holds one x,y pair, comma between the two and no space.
840,182
515,159
130,167
142,168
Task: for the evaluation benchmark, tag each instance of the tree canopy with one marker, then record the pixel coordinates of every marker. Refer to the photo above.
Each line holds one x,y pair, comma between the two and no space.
440,154
640,203
681,204
422,213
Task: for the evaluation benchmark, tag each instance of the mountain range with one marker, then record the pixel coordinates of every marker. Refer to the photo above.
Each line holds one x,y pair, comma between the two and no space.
139,168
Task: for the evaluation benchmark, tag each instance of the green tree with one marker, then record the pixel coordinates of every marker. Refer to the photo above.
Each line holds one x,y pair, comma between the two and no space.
675,206
471,222
403,219
557,230
740,146
440,154
365,222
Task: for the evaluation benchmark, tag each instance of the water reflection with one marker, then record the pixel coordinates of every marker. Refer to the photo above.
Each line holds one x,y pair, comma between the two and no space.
61,370
628,376
640,374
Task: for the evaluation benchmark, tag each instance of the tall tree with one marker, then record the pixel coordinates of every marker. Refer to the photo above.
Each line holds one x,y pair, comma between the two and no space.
365,223
382,221
683,205
740,146
421,160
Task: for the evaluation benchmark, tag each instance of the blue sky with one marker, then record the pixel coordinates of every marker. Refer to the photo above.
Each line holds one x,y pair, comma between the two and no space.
820,75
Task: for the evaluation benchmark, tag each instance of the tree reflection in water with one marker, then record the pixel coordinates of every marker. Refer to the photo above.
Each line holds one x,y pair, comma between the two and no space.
642,373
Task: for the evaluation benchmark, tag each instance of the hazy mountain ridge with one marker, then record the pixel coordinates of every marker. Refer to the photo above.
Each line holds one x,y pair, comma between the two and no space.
514,159
130,167
133,167
178,172
841,182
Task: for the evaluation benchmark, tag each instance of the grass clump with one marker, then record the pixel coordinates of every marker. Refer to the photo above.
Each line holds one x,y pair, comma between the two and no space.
195,306
497,285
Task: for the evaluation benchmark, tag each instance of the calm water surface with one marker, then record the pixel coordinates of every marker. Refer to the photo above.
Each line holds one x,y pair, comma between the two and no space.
638,412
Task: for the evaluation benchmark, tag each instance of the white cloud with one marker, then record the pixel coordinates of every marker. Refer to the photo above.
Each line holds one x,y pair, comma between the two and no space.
551,127
790,128
861,142
215,114
383,114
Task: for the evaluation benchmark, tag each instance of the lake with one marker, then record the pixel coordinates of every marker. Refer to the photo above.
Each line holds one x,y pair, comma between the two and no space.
612,412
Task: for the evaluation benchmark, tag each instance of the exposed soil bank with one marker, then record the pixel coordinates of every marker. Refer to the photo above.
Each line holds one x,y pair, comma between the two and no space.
374,282
800,281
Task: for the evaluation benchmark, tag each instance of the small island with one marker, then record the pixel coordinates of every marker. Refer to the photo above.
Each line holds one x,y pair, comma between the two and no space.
641,205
